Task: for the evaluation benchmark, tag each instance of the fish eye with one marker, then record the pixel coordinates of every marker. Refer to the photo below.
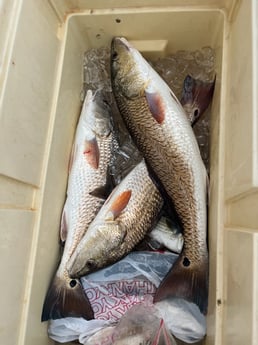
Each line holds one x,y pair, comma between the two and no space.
114,55
196,112
73,283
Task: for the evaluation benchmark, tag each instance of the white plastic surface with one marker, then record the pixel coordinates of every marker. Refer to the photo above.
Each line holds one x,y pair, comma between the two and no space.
42,44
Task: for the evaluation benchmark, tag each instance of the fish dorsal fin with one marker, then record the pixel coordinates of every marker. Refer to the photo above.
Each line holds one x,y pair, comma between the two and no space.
156,105
118,205
91,152
64,227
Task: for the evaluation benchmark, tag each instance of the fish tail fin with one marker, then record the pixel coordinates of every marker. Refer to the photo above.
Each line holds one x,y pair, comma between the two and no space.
186,280
66,300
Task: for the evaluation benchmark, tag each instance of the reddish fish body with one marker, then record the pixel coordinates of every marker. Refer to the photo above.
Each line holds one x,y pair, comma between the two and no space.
162,132
122,222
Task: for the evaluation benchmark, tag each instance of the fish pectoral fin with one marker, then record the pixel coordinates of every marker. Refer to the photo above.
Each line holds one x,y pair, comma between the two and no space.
64,227
118,205
66,300
156,105
91,152
186,280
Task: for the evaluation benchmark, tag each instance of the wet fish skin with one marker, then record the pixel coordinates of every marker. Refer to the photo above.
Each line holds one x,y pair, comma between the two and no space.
196,97
90,158
162,132
128,213
166,234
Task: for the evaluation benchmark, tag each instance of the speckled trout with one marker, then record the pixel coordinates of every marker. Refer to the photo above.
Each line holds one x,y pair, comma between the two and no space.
129,212
89,162
162,132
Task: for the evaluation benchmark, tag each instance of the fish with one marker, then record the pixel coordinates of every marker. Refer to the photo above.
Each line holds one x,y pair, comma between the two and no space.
124,219
166,234
162,132
196,97
87,180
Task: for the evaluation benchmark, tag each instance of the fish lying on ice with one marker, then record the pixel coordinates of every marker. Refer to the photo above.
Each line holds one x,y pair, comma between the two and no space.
167,235
128,213
196,97
89,162
162,132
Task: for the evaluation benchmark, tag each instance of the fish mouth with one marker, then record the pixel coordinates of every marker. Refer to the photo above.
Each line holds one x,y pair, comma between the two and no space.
76,270
122,42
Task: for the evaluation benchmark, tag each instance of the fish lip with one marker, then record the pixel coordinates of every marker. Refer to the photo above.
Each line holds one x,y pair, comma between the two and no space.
73,274
74,270
122,41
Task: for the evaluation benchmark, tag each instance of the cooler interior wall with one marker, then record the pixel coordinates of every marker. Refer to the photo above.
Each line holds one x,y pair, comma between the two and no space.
41,83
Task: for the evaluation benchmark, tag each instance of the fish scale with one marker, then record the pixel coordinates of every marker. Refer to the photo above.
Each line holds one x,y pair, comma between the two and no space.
176,172
106,241
90,159
163,134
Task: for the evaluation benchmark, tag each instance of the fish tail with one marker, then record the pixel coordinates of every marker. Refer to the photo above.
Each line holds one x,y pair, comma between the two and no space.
66,299
186,280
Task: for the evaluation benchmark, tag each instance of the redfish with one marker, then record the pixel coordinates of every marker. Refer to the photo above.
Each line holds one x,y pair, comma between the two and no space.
89,163
162,132
129,212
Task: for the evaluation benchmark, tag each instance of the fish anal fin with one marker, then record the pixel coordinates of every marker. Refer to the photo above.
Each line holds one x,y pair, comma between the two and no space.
63,300
104,191
91,152
187,281
64,227
156,105
100,192
118,205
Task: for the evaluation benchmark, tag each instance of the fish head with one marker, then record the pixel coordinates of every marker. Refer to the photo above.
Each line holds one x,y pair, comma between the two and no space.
196,97
102,116
98,249
129,70
96,119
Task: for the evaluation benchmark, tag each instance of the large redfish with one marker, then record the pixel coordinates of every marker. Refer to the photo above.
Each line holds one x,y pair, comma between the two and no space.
162,132
89,162
122,222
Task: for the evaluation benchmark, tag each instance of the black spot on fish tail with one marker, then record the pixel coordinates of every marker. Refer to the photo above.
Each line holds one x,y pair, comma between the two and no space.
186,280
66,300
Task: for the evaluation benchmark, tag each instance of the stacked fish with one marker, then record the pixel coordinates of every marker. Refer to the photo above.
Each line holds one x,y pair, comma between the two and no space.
98,226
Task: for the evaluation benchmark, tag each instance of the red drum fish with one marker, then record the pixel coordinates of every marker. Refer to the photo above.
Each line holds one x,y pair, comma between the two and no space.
89,163
129,212
162,132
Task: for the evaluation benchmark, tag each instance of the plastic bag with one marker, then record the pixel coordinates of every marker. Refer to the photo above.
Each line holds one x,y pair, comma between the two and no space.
114,290
139,325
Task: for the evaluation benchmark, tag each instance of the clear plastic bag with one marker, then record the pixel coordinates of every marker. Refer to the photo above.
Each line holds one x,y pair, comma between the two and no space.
132,281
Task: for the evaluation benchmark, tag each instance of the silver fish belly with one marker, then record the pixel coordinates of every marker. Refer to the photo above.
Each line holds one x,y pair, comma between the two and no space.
89,162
